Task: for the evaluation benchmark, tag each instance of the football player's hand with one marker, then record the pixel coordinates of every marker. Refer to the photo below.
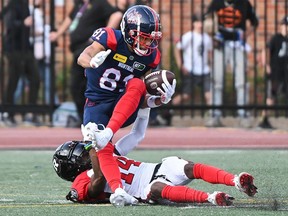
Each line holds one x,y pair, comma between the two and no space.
88,131
167,92
99,58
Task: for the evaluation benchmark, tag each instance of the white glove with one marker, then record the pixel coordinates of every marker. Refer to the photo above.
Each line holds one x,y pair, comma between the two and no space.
88,131
99,58
168,92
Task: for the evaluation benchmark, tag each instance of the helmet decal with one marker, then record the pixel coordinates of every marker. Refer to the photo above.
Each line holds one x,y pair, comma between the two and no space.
133,17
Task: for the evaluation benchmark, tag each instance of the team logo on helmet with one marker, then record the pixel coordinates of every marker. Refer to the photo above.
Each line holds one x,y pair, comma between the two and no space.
133,16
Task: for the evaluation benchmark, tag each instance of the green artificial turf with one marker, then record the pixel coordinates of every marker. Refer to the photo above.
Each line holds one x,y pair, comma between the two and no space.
29,186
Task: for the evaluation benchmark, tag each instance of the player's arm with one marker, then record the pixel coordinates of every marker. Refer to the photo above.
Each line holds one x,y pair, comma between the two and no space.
89,53
127,143
97,183
152,101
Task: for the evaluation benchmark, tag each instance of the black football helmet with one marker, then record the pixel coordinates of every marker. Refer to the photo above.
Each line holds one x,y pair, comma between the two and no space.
70,159
141,29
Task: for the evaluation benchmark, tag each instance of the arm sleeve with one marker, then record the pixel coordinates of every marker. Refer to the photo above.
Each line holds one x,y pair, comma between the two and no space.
136,135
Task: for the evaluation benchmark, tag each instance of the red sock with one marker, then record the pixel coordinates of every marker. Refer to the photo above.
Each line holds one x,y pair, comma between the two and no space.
183,194
109,167
212,174
127,105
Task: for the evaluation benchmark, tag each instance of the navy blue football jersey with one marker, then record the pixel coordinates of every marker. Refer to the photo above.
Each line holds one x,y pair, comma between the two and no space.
110,78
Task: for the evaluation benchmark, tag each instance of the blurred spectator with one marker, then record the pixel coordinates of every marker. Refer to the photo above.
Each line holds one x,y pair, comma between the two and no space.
277,69
231,47
42,47
19,53
192,55
85,17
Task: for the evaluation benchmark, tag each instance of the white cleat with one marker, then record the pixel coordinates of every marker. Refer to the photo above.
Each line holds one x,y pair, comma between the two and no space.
120,198
99,138
89,130
103,137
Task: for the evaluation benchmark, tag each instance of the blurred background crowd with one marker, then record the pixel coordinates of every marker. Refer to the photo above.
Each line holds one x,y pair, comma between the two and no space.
230,58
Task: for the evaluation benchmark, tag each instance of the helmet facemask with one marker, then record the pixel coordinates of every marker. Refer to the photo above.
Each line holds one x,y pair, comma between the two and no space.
144,43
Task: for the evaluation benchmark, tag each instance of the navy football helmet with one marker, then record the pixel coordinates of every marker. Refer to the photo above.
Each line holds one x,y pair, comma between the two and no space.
141,29
70,159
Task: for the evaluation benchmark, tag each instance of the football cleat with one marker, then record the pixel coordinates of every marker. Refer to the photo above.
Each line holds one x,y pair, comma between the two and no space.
244,183
103,137
98,137
220,199
89,130
120,198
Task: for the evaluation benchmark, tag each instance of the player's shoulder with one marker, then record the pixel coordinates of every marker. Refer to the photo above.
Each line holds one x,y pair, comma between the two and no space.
111,32
155,58
108,37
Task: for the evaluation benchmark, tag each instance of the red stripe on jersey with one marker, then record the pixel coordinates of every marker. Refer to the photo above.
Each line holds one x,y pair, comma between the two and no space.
155,19
111,39
156,60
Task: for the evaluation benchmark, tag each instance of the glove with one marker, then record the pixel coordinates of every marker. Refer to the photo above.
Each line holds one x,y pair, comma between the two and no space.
168,92
88,131
99,58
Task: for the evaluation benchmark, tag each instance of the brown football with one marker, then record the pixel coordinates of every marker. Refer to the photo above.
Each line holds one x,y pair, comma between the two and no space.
155,80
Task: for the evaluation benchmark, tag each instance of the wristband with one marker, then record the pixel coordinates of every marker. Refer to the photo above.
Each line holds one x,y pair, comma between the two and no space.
151,101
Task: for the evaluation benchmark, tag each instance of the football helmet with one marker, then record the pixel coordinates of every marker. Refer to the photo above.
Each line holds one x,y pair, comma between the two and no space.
70,159
141,29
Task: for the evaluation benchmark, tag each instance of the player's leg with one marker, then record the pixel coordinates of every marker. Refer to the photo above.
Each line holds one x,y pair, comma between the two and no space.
125,107
244,182
111,172
169,184
99,113
128,104
180,194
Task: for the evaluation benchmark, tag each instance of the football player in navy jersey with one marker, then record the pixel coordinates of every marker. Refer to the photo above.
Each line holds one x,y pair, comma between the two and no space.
115,64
